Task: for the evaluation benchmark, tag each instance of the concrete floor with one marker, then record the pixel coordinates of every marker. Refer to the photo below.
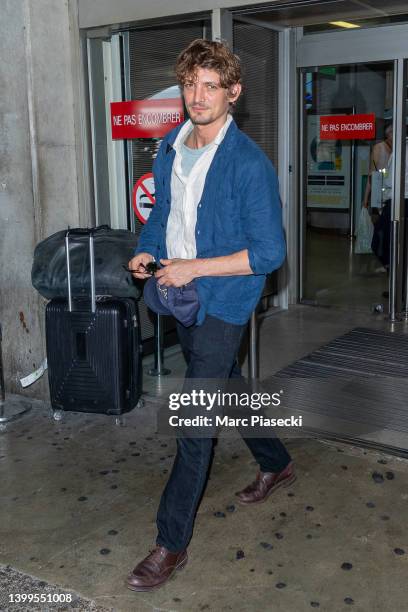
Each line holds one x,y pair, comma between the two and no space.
79,498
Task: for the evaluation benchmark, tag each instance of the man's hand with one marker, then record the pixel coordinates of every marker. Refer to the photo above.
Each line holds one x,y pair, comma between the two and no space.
176,272
138,263
179,272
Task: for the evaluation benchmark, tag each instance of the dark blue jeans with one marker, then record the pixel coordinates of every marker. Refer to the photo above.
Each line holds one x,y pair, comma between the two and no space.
211,353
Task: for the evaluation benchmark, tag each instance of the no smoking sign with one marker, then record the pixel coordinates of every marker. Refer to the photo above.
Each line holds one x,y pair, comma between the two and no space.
143,197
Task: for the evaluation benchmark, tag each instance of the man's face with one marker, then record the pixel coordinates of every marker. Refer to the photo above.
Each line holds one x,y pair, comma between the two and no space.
205,99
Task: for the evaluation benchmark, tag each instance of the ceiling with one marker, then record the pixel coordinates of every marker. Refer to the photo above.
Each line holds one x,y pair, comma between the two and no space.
313,12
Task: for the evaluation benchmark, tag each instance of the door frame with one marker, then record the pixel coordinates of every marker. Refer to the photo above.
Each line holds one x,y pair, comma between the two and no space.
357,46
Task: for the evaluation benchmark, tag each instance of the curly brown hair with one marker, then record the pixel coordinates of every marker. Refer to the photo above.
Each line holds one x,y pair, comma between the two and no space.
212,55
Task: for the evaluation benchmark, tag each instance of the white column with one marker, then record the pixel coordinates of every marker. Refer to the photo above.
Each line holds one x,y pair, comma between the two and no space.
287,139
221,22
116,152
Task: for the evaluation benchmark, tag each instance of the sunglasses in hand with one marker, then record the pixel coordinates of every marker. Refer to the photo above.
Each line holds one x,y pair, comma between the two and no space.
150,268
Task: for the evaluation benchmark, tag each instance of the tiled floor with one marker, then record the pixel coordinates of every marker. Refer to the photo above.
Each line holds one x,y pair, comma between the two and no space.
79,498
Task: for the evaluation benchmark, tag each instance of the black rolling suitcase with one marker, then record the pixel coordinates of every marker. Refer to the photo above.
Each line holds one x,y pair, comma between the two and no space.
93,350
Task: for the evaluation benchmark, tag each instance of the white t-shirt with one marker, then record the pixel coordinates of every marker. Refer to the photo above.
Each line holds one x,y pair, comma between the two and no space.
186,192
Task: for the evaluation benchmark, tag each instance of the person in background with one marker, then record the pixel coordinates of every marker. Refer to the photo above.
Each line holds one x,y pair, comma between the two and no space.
376,197
383,151
380,157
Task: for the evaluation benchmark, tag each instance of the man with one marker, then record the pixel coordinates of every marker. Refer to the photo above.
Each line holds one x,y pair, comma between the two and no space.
379,166
217,221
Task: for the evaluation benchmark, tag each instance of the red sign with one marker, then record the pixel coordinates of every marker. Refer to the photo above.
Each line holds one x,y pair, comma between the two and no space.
347,127
143,197
145,118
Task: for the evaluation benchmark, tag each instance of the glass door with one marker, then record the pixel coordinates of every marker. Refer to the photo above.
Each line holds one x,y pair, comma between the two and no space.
347,147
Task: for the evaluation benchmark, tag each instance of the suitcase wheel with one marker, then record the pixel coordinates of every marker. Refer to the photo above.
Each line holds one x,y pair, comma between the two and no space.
120,421
140,404
57,415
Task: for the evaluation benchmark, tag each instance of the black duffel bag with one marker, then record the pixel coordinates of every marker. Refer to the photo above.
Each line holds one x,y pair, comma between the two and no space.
112,248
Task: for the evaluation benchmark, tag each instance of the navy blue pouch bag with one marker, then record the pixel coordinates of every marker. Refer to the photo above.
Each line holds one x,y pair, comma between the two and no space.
180,302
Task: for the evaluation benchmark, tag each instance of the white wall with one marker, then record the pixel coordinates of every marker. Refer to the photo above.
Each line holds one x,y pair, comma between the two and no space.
105,12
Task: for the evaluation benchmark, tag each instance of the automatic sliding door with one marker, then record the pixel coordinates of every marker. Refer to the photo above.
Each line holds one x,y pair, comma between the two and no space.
345,183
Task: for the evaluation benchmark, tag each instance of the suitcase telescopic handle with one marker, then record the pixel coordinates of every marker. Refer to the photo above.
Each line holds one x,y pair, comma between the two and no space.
91,266
84,231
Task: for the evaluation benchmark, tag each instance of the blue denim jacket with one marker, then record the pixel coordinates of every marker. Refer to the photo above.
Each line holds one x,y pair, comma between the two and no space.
239,209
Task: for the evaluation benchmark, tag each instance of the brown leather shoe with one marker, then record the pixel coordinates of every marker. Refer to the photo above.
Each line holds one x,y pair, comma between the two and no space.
156,569
265,484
